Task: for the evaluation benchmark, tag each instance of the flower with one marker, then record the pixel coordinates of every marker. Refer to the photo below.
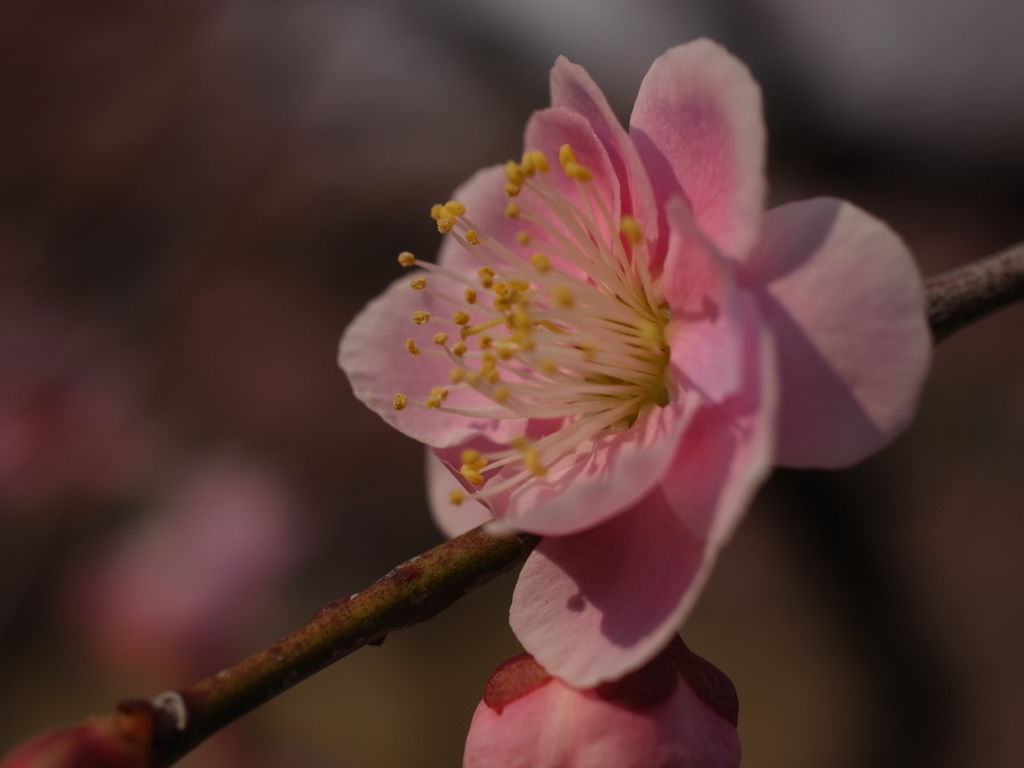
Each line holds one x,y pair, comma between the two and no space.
613,353
121,740
678,711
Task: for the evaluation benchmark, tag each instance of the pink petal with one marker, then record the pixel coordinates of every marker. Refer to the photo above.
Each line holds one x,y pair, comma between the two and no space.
549,129
845,302
555,726
698,126
598,604
705,333
374,357
572,88
453,520
601,477
484,196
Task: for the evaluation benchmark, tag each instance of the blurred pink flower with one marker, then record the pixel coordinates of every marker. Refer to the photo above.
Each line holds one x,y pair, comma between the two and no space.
613,354
190,584
679,711
121,740
71,423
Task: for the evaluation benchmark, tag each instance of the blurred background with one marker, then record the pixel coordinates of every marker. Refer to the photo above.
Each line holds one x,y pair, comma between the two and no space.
196,197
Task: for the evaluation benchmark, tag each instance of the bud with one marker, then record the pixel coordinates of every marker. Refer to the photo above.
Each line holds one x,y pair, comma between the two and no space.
679,711
121,740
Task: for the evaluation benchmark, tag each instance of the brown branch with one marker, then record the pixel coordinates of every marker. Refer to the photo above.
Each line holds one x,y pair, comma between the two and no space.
959,297
424,586
412,593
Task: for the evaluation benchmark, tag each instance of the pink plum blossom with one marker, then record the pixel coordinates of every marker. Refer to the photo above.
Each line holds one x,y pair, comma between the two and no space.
185,588
121,740
616,345
678,711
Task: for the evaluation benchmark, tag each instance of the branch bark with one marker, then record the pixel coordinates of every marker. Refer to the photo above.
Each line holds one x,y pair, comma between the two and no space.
959,297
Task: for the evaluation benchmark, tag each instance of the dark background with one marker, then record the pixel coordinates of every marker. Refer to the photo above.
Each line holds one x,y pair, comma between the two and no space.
196,197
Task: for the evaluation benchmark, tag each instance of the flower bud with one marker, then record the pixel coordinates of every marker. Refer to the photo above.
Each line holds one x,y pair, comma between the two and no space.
121,740
678,711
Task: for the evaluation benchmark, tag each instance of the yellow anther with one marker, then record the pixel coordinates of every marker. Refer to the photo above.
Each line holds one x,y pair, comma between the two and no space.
563,296
406,259
532,462
490,375
456,375
540,262
440,392
566,155
630,227
445,224
472,377
527,164
500,288
518,285
486,273
506,350
485,342
436,211
500,394
525,342
577,172
471,237
470,296
434,401
472,475
519,442
420,317
548,365
454,206
455,497
512,211
471,457
502,304
521,321
458,349
523,237
512,190
400,402
440,337
461,318
411,348
538,159
487,360
418,283
514,173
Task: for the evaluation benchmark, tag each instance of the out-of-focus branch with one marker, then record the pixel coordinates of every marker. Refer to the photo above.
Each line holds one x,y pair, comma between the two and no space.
424,586
959,297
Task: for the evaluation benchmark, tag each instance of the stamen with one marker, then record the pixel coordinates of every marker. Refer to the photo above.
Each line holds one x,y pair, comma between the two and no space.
411,348
400,402
584,343
455,497
406,259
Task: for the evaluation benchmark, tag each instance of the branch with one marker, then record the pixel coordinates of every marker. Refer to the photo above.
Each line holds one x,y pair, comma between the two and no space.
959,297
424,586
412,593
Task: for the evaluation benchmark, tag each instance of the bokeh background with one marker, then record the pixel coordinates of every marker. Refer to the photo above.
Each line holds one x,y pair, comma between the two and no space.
196,197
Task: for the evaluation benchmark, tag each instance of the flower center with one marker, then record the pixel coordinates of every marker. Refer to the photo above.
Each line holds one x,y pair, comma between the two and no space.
574,332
